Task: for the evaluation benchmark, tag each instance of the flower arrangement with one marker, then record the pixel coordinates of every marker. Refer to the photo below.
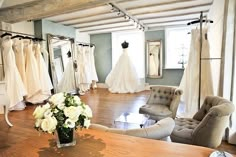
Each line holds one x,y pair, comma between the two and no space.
63,111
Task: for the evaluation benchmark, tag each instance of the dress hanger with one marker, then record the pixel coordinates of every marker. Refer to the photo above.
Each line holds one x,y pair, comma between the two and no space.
5,34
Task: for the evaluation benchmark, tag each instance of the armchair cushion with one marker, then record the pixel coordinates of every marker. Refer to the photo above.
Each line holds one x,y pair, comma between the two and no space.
159,130
163,102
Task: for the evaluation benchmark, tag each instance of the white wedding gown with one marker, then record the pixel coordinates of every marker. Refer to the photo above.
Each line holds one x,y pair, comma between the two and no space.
190,80
123,78
67,83
14,85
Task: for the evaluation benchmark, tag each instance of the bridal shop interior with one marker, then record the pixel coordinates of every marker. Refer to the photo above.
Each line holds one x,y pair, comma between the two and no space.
169,62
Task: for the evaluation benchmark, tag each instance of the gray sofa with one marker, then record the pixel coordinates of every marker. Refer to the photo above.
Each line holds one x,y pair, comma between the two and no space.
159,130
163,102
207,126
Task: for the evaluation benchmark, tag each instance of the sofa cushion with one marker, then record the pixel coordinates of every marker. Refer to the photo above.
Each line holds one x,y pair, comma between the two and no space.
183,130
158,109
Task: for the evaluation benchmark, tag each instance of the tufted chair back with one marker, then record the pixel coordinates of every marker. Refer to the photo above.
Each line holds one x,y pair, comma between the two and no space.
207,126
163,102
214,116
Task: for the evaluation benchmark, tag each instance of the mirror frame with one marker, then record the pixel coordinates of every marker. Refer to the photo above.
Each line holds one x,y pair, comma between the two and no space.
51,56
148,58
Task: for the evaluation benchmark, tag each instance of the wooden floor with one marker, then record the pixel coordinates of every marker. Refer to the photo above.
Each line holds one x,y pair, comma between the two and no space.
105,106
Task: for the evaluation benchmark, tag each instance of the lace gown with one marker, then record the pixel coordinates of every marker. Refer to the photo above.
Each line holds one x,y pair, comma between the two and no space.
123,78
14,85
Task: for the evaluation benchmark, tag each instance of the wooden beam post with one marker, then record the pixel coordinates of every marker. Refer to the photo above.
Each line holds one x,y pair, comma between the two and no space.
46,8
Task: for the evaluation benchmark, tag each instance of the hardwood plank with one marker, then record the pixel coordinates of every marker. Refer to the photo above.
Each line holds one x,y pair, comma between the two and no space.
105,106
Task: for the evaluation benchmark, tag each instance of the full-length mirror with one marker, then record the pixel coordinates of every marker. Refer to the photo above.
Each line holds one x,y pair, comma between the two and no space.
154,59
61,61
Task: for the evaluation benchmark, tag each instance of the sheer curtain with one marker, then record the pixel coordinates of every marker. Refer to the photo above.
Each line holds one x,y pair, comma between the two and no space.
135,49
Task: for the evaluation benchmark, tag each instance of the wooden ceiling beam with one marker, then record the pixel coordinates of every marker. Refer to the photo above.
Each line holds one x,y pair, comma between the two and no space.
46,8
175,17
173,9
99,22
105,26
186,10
98,31
171,22
158,4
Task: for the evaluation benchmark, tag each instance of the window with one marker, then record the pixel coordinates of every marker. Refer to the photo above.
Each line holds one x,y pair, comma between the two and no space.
135,50
177,47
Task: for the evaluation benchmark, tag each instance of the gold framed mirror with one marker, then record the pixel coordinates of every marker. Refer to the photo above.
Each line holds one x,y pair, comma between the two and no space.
154,58
61,62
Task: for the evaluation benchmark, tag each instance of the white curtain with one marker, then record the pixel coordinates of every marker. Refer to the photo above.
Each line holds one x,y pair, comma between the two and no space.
190,80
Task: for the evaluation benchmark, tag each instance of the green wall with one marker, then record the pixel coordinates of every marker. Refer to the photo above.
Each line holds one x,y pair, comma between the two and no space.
169,76
102,54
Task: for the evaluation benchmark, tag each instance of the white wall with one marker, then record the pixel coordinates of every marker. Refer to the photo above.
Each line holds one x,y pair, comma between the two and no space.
215,33
24,27
82,37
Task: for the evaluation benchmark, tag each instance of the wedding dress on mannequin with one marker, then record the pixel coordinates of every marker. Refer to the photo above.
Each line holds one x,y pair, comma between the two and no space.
190,80
14,85
123,78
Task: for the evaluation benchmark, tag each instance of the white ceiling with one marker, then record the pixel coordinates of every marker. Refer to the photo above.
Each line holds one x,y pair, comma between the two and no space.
151,14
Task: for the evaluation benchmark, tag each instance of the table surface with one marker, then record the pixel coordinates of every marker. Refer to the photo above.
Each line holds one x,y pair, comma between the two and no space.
93,143
134,118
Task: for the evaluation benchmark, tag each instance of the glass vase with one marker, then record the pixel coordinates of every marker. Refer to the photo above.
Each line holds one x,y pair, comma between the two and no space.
65,137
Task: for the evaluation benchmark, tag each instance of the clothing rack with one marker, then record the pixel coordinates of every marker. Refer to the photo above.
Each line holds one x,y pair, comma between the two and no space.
201,20
27,35
85,44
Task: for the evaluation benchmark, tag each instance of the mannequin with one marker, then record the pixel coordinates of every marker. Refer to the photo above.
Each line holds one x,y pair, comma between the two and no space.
123,78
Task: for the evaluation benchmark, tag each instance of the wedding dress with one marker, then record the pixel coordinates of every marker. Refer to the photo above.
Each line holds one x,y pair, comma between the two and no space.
14,85
18,47
67,83
123,78
190,80
44,79
94,76
31,70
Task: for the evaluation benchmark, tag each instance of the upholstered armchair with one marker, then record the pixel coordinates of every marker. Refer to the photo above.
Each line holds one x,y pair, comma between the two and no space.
207,126
159,130
163,102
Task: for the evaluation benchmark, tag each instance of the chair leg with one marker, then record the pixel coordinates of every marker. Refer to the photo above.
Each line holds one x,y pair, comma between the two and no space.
6,115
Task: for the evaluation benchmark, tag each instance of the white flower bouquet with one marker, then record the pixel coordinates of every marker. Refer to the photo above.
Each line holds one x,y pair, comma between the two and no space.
64,112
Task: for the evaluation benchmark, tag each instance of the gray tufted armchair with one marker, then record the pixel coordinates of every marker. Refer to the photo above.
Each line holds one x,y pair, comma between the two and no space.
207,126
163,102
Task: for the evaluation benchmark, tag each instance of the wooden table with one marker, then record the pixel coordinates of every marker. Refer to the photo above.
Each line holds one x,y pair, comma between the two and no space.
91,143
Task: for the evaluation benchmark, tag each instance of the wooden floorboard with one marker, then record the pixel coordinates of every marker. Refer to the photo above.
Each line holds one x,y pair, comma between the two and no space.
105,106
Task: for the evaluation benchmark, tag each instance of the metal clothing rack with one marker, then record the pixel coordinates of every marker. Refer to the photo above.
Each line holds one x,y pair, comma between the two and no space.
201,20
18,33
85,44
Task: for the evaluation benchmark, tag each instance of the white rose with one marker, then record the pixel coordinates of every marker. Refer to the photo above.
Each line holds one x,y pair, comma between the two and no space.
48,113
87,112
77,100
38,123
69,123
86,123
72,112
61,106
49,124
38,112
46,106
58,98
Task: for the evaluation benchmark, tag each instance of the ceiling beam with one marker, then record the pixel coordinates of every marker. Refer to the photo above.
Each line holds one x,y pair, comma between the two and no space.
169,18
158,4
99,22
185,10
171,22
161,8
45,8
89,18
98,31
105,26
